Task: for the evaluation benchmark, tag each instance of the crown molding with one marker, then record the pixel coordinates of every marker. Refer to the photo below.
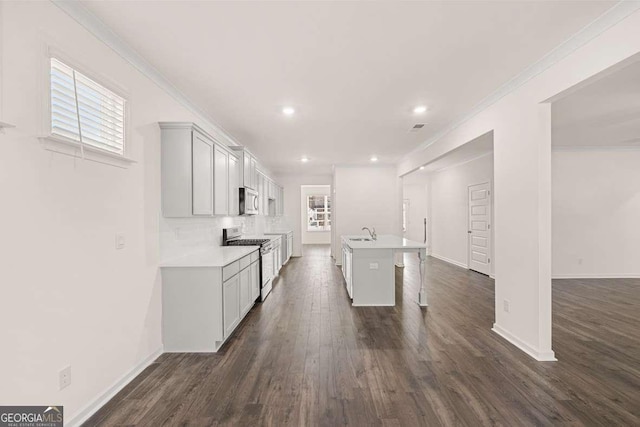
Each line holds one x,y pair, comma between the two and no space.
107,36
608,19
595,147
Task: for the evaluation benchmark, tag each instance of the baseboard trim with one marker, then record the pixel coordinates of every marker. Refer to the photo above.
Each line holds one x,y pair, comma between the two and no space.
540,356
373,305
101,400
449,260
595,276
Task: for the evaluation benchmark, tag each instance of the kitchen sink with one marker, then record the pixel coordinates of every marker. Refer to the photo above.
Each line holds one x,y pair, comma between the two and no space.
360,239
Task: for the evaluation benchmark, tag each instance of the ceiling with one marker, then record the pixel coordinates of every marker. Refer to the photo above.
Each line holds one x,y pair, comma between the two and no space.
352,70
604,113
473,149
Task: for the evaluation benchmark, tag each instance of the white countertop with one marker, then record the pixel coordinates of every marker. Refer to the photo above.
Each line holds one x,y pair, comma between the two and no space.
218,256
385,241
271,237
278,232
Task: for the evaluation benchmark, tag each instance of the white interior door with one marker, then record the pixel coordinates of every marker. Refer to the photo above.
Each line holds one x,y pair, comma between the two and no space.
480,228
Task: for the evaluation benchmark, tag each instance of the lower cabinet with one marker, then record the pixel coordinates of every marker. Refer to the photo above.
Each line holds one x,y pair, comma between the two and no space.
231,290
245,291
289,245
347,269
202,306
255,280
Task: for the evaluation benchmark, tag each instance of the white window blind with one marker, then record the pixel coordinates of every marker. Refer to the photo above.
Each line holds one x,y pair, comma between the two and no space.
84,111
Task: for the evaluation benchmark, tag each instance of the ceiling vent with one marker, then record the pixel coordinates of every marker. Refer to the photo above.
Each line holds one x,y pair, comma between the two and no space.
416,127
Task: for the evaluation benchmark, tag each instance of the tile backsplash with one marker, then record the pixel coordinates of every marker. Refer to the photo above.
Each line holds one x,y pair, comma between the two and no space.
181,236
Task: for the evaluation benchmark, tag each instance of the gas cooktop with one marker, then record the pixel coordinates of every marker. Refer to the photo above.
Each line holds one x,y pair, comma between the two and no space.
247,242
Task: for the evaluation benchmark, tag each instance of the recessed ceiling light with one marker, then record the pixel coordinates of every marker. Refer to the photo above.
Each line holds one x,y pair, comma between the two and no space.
288,111
374,158
421,168
304,159
420,109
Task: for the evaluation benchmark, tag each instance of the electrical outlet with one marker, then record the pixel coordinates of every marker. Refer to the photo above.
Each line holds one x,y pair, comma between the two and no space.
580,261
505,304
65,377
120,240
373,266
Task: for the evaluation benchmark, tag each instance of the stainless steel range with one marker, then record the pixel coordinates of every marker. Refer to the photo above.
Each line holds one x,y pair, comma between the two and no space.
233,237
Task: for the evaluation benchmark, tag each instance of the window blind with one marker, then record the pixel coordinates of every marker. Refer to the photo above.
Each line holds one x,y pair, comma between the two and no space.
85,111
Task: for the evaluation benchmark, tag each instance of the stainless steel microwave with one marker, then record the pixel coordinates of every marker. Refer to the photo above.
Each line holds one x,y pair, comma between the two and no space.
249,203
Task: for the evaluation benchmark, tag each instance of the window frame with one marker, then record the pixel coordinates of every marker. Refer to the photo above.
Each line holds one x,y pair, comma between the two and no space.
68,146
325,228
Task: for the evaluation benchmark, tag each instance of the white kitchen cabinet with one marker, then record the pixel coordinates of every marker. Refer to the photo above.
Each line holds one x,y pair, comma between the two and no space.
203,167
279,200
231,304
260,189
202,305
221,181
194,172
265,193
254,270
277,255
248,164
347,268
234,185
289,245
253,171
245,291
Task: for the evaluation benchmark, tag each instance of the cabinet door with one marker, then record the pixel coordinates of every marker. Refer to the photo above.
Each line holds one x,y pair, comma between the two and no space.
221,181
234,185
231,304
246,170
260,179
245,291
254,172
202,175
255,280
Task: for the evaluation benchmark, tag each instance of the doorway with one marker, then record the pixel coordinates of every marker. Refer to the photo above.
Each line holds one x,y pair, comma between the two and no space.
479,228
315,215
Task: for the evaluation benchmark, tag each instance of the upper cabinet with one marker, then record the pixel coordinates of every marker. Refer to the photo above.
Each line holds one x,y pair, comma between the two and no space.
249,168
234,185
201,177
196,173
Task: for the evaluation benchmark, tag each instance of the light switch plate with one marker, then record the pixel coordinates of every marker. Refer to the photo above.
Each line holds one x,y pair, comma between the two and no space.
373,266
120,240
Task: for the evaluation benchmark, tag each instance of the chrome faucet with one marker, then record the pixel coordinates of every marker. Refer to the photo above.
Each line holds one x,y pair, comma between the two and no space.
372,234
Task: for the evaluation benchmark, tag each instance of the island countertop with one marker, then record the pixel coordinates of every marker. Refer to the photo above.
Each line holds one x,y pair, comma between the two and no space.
385,241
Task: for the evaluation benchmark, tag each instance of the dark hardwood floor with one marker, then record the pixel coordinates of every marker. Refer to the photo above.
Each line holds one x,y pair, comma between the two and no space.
306,357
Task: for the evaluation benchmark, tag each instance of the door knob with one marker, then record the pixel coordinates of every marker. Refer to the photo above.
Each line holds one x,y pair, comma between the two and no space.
469,231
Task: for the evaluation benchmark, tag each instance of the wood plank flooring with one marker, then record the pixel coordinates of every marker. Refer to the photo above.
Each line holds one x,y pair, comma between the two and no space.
306,357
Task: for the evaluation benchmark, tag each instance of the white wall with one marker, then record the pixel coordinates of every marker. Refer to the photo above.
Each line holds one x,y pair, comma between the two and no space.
416,195
366,197
313,237
521,122
292,206
448,208
69,297
596,213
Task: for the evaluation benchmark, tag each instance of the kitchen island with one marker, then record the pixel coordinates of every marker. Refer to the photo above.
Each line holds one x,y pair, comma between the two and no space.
369,269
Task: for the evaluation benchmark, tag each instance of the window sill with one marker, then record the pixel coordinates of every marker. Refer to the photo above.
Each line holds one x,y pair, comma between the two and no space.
72,148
